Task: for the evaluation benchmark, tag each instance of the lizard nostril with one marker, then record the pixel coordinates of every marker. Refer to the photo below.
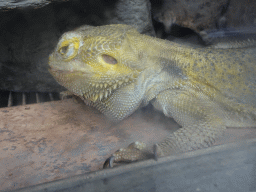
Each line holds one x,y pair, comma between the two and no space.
108,59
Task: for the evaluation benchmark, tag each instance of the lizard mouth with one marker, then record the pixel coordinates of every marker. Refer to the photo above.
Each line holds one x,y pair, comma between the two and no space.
62,71
88,88
98,91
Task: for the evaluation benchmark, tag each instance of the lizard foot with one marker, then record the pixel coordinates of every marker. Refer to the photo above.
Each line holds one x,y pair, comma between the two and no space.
134,152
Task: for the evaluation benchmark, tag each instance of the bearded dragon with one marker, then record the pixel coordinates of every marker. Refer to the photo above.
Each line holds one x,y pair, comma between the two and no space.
117,70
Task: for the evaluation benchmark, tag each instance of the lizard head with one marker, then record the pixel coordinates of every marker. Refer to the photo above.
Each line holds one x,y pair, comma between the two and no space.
93,62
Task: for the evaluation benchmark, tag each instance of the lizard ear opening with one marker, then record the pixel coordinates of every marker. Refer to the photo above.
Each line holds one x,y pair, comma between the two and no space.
108,59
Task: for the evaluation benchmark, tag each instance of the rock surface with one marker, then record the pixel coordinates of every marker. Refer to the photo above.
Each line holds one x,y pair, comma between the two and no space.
241,13
10,4
204,14
196,15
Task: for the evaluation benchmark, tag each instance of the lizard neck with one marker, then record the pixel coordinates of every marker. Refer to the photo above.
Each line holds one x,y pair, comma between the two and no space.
124,101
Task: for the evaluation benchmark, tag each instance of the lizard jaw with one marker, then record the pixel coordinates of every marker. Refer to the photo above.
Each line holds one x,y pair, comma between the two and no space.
99,91
92,90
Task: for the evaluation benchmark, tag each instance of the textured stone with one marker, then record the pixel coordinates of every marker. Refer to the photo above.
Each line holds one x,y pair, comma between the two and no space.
11,4
241,13
196,15
134,12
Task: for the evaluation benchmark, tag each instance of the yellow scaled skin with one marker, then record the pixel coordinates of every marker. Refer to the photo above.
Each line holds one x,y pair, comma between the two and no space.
117,70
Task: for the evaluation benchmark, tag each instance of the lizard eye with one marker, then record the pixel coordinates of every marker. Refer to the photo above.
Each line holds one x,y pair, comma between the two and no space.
110,60
63,50
67,50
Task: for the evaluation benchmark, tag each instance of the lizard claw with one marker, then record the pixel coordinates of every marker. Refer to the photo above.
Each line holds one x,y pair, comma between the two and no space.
134,152
157,152
155,149
109,162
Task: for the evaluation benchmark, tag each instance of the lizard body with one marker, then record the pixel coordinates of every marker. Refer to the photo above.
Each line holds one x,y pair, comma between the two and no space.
117,70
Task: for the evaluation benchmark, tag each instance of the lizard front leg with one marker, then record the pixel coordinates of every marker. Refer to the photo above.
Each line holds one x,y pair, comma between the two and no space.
201,120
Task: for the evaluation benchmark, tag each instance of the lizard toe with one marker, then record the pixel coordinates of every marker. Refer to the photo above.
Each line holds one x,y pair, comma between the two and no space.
109,163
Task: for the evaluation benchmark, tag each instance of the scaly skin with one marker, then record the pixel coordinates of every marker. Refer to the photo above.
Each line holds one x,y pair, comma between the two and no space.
118,70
